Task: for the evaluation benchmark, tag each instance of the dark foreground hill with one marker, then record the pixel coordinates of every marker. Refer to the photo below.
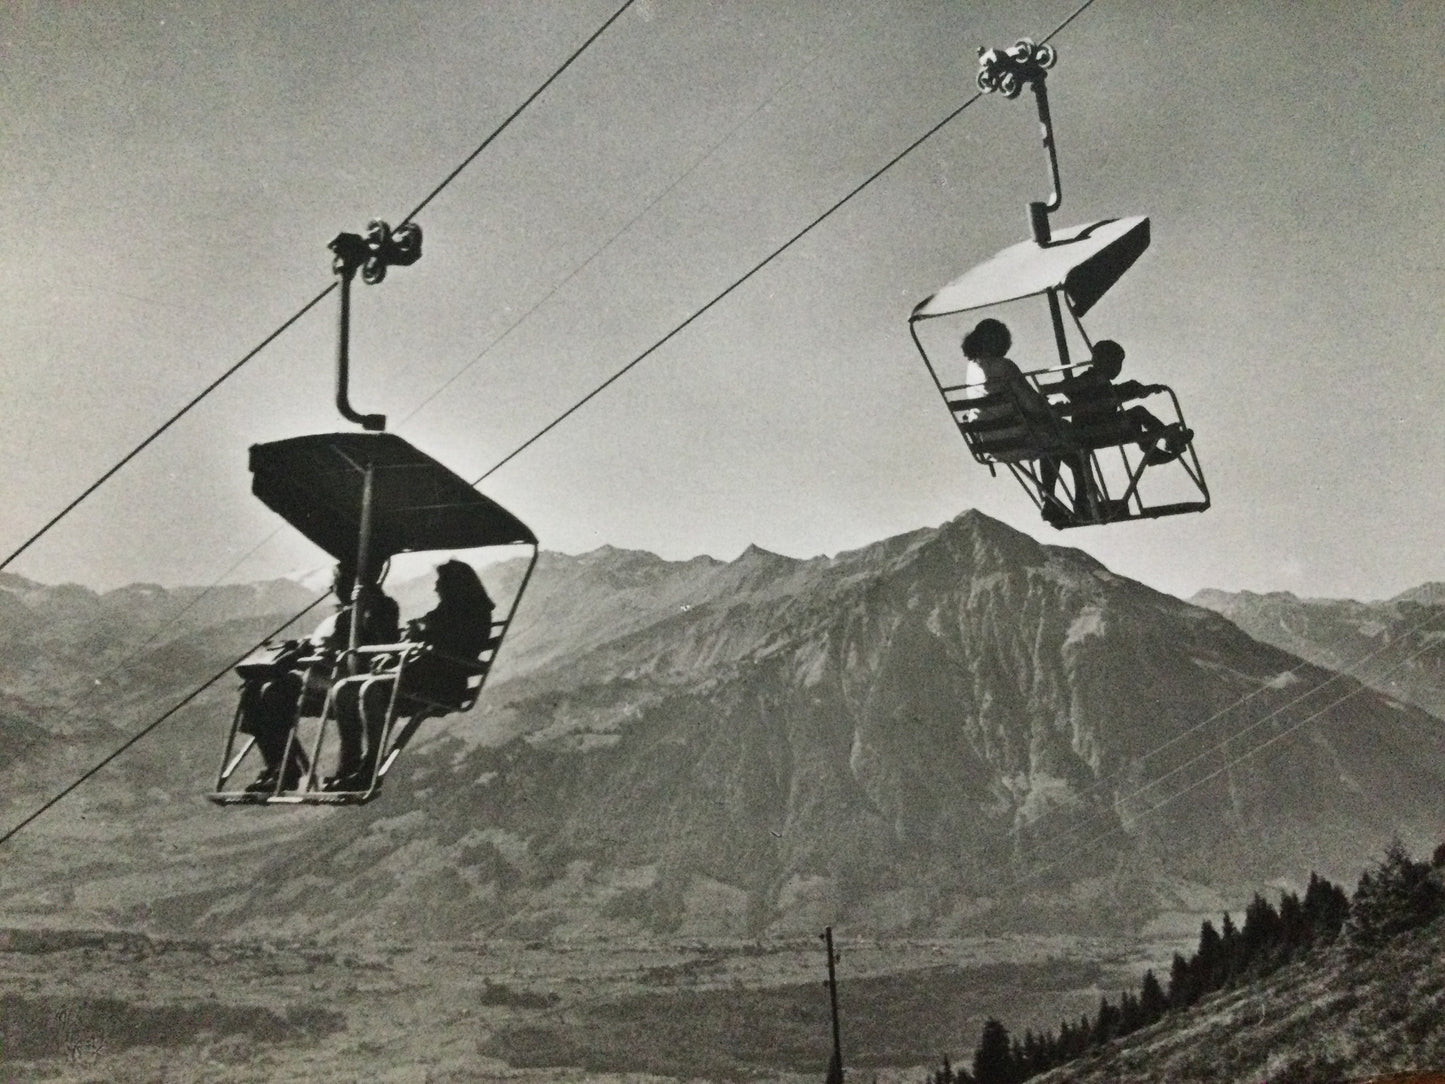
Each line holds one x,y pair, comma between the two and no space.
950,731
1341,1015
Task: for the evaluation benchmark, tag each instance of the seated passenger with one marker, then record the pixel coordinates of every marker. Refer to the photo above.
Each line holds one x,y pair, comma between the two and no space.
456,630
988,369
1099,419
990,372
272,701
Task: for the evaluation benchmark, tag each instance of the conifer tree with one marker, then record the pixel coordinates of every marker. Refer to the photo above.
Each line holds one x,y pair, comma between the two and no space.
1260,938
1208,962
1183,985
1152,1002
1130,1018
1326,908
1401,895
1106,1024
947,1074
1224,970
993,1060
1294,927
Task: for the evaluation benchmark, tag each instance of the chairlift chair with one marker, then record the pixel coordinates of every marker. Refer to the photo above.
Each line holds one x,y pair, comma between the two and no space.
1071,269
363,498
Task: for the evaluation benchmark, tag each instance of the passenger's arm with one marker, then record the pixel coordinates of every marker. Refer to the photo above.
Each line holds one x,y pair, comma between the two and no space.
1132,389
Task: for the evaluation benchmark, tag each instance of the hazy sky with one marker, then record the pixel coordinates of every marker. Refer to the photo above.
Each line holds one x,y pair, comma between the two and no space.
171,173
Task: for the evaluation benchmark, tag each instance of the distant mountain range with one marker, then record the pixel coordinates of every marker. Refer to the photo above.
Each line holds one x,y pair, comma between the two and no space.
953,730
1394,646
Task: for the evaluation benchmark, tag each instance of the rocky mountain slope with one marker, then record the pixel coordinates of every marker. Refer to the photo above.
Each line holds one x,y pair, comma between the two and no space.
952,730
1396,646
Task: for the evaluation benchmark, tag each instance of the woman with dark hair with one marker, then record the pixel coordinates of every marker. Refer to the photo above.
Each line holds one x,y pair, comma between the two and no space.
990,372
454,632
461,622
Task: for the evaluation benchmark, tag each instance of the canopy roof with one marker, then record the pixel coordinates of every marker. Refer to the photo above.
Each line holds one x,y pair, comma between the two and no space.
1085,260
315,483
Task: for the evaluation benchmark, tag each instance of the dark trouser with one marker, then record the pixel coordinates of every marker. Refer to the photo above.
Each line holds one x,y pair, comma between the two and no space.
268,713
1079,467
361,708
351,721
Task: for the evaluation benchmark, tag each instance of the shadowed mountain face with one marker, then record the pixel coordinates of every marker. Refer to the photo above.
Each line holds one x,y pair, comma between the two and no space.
1396,646
950,730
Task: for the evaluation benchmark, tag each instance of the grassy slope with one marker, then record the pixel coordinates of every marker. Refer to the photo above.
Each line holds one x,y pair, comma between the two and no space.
1335,1016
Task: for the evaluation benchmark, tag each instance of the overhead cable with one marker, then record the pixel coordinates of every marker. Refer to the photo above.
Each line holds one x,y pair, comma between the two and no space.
177,416
183,411
518,111
138,735
620,373
524,316
1221,746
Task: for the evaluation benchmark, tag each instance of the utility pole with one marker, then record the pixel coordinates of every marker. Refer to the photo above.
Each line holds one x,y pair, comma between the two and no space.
835,1066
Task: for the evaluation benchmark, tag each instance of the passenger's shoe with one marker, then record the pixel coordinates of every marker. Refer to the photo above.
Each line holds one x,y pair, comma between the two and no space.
1169,444
1168,447
349,783
264,783
1055,513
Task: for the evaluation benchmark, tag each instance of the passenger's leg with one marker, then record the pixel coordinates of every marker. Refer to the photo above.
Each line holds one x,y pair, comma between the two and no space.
269,714
1159,442
1084,495
375,705
348,730
1055,511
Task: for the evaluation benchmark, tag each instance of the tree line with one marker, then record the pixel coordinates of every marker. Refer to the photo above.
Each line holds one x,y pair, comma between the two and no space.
1396,895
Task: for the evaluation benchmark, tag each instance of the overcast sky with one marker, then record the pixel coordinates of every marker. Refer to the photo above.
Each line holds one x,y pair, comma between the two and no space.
172,172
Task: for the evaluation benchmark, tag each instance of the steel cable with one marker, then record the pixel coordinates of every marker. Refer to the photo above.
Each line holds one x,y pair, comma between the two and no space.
1220,746
540,433
209,388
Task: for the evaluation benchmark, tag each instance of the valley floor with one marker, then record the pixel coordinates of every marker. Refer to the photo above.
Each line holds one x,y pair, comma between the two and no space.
107,1006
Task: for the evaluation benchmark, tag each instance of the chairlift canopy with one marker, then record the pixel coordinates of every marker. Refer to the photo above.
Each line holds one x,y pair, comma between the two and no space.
316,484
1085,261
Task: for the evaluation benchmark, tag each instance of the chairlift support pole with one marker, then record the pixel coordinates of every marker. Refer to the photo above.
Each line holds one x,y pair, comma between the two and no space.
371,254
1007,71
835,1067
363,567
1039,212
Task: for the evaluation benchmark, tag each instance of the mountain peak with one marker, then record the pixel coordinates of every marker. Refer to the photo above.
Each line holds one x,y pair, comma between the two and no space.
755,552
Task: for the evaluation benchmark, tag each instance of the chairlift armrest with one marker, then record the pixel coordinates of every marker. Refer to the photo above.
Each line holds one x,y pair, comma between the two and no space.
1057,369
471,666
983,402
412,649
389,649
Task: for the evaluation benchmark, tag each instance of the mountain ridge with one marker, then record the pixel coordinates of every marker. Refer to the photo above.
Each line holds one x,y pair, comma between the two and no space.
956,728
1390,645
